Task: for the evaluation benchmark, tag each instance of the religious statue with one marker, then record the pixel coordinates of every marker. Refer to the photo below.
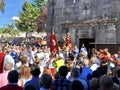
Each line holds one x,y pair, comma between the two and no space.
67,41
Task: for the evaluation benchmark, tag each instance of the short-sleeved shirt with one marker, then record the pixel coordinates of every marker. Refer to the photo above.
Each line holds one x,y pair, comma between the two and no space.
61,84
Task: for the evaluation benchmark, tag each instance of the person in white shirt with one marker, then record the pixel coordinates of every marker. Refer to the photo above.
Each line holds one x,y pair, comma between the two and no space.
94,65
40,54
8,58
32,55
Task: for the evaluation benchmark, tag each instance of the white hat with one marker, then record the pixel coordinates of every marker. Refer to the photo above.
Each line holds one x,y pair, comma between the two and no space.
60,55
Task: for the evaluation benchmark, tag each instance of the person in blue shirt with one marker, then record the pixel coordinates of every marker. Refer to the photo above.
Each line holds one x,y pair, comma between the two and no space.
14,55
35,71
76,51
86,73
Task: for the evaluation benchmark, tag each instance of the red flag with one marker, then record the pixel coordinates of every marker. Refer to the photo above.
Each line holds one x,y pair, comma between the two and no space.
53,43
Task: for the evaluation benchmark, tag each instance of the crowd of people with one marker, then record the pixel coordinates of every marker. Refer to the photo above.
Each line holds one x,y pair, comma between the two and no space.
25,67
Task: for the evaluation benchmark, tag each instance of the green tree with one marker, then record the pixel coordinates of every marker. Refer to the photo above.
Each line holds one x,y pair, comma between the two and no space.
2,5
40,3
42,19
27,18
10,29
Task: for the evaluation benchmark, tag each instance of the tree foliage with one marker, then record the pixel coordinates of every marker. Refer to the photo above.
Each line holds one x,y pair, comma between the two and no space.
42,19
40,3
10,29
27,18
2,5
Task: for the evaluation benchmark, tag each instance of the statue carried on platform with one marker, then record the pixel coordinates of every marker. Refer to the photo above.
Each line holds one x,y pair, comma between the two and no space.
67,41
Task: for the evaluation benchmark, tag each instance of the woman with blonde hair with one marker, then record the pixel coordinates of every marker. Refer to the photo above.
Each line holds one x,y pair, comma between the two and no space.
25,75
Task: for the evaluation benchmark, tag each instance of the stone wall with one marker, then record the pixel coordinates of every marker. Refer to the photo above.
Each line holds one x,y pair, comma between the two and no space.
83,10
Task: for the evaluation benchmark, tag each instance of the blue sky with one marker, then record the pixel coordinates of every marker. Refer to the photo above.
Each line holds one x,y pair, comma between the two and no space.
12,8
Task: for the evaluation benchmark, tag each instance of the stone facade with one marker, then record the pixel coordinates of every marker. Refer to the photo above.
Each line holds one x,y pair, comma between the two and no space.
63,11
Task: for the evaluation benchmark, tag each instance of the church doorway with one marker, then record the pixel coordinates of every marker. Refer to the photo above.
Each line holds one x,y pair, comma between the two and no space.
88,43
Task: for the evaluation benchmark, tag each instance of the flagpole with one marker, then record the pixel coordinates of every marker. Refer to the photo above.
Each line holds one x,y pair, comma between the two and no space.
52,18
53,32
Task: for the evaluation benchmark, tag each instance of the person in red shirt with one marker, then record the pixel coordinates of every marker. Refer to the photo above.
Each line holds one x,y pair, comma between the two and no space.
2,55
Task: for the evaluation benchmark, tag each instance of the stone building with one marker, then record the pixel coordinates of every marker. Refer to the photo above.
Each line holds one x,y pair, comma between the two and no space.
96,23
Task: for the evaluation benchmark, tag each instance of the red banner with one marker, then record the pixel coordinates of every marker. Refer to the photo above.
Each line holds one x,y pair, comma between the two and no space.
53,43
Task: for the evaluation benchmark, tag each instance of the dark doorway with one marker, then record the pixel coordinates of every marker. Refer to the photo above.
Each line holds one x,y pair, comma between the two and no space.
88,44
